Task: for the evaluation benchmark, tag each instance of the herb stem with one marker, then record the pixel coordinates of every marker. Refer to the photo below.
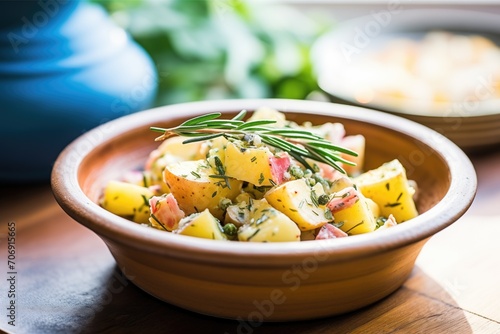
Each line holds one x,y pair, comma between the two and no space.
300,144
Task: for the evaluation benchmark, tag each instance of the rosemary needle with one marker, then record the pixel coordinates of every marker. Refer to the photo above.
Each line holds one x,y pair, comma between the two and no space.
300,144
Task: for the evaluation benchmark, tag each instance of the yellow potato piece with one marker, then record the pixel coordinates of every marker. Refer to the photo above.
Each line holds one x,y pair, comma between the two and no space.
169,151
266,224
266,113
195,187
341,183
216,150
250,164
298,201
374,207
175,146
357,143
254,191
357,218
201,225
127,200
388,186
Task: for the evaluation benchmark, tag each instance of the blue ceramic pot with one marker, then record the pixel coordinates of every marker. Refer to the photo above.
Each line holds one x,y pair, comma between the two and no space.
64,69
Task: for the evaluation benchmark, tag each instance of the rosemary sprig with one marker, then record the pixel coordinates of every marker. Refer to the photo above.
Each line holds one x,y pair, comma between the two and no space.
300,144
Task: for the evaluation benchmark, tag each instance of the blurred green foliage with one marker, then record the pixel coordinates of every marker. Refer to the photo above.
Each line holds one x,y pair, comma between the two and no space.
211,49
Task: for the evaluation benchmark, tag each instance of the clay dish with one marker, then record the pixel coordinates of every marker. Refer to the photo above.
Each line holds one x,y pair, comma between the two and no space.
266,281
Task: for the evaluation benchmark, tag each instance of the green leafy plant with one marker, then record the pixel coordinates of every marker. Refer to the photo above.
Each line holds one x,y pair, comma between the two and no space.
222,48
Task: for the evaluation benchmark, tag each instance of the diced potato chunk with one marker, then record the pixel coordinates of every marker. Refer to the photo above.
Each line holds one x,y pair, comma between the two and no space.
174,146
352,212
215,152
127,200
257,165
254,191
389,188
356,143
201,225
266,113
341,183
169,151
196,188
374,207
267,224
299,201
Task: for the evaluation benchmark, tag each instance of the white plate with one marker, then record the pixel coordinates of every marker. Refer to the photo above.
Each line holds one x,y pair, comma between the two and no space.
334,58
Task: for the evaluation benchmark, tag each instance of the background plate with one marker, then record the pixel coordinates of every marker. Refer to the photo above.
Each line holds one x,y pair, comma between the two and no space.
472,125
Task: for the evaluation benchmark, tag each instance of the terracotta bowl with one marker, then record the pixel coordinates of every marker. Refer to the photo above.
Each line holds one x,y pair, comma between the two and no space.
258,282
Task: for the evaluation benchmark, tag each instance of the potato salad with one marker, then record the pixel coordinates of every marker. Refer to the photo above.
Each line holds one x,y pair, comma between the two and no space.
266,179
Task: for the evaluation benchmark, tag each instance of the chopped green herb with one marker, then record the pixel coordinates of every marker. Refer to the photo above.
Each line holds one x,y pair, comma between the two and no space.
261,178
301,204
352,228
338,224
261,219
145,200
225,180
219,166
254,234
328,214
158,221
314,198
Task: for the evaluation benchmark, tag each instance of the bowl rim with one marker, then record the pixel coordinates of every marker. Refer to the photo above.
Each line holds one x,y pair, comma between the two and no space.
116,230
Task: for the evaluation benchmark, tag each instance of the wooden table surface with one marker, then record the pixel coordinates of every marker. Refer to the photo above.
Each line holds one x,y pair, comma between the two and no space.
66,281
